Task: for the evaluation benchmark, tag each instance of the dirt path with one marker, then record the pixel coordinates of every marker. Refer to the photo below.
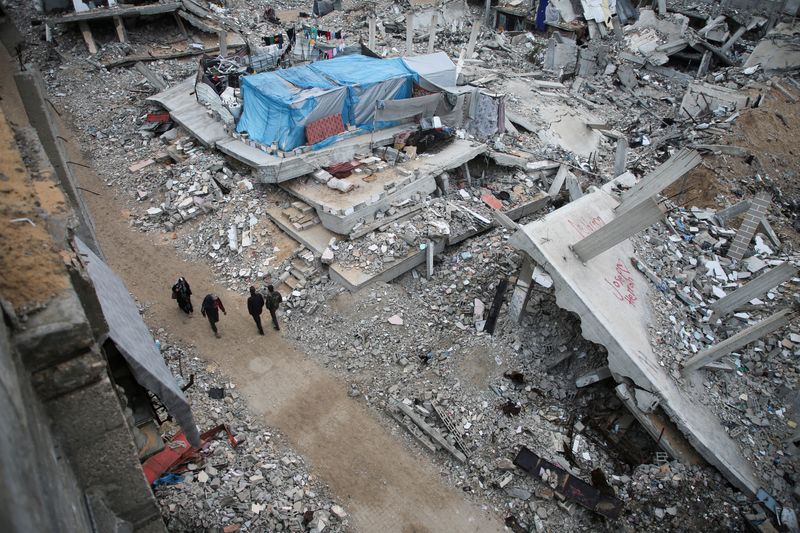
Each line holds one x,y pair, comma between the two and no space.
383,486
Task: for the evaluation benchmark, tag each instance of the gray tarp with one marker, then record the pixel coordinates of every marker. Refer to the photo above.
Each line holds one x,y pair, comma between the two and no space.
410,107
130,334
435,70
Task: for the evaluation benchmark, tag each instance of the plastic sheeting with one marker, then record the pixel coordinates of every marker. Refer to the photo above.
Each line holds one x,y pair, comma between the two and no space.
368,80
132,338
277,111
435,71
424,106
278,104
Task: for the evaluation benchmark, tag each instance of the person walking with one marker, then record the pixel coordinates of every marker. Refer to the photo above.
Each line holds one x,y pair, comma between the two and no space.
273,300
183,294
255,306
210,309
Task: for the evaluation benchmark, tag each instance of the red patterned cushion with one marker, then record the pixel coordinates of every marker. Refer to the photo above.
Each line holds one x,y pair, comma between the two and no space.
323,128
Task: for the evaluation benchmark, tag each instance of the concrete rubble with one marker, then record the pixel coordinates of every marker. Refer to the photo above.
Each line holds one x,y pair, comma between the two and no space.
259,486
390,267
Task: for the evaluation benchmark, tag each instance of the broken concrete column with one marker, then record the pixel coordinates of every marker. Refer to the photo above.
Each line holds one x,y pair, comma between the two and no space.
741,243
741,339
754,289
522,290
620,156
640,217
473,38
371,37
429,253
662,177
432,38
410,33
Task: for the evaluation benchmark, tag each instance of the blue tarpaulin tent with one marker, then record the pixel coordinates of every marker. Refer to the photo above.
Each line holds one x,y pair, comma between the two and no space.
279,104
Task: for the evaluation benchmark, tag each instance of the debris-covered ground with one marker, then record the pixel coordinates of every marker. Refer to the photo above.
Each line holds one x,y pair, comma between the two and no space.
420,343
260,485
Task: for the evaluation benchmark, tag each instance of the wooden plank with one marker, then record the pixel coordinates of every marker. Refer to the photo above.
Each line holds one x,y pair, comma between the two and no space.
741,339
101,13
88,37
119,26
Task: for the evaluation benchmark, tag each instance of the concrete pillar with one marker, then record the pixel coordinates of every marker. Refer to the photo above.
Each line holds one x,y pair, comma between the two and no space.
574,187
662,177
662,7
558,180
754,289
410,33
590,378
741,339
429,253
733,38
522,290
487,11
741,243
432,38
473,38
620,156
663,431
704,64
223,43
467,175
371,38
623,226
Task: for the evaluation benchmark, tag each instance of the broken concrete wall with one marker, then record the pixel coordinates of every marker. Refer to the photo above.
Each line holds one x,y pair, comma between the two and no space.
451,15
34,472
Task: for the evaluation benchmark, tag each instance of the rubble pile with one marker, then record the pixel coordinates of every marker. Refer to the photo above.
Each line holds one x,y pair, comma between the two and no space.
418,350
258,486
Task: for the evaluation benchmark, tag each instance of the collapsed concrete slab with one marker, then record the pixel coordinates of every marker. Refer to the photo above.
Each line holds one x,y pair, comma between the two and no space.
340,212
185,110
611,299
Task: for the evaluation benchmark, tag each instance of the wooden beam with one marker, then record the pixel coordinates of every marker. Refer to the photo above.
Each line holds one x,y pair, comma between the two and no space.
754,289
741,339
88,37
122,35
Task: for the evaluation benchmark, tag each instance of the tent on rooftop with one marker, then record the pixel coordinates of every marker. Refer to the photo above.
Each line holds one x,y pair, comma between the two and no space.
279,105
368,80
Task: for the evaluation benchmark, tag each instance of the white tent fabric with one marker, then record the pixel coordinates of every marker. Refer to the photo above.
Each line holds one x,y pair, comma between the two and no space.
436,70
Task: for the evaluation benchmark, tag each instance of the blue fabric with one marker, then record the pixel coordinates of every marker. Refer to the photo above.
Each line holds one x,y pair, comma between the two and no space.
279,104
361,74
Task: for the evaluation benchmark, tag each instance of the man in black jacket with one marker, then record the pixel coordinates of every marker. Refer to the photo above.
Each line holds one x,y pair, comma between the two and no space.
273,300
255,306
210,309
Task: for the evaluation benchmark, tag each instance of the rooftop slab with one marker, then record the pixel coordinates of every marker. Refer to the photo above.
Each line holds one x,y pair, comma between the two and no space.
611,299
340,212
184,109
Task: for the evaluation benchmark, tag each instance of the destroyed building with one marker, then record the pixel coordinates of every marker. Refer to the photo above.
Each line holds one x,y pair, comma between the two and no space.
550,246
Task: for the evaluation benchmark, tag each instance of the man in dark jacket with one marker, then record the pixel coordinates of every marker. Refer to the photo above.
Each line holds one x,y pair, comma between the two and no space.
273,300
210,309
255,306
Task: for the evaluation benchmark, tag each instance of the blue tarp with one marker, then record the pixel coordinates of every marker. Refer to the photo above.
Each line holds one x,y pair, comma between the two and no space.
368,80
276,110
279,104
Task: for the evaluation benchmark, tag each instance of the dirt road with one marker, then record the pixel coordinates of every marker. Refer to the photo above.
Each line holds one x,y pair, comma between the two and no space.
383,486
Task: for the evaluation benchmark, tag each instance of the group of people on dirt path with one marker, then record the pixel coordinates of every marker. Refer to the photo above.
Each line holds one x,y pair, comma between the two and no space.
212,305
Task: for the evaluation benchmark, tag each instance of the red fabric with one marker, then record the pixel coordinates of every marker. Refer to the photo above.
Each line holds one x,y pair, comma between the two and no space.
491,201
323,128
